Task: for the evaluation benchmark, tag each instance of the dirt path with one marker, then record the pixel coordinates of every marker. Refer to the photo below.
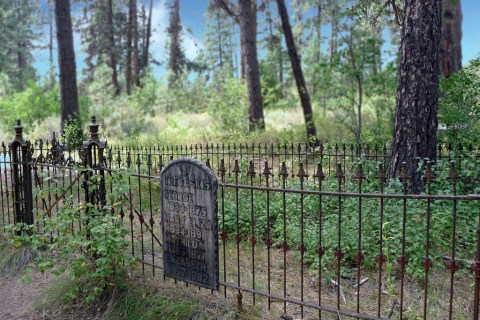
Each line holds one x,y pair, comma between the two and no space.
17,299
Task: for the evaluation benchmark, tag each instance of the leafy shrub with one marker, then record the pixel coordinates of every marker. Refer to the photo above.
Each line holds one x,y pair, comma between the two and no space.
440,231
32,105
229,107
83,239
460,104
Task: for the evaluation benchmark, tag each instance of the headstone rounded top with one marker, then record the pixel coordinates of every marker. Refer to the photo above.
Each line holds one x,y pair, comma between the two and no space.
195,162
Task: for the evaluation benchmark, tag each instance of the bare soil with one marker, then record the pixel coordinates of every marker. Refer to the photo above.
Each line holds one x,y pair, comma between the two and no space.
17,299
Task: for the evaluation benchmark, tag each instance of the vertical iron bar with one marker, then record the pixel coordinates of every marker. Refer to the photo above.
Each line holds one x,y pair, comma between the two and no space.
360,178
140,218
453,176
301,175
427,263
236,171
338,253
266,174
380,258
284,175
224,232
320,250
402,260
251,173
152,221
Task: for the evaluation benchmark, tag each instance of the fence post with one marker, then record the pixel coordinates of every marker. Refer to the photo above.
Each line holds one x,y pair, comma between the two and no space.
21,177
94,162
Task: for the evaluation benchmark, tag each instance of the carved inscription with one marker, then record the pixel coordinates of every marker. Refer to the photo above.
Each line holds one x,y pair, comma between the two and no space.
190,222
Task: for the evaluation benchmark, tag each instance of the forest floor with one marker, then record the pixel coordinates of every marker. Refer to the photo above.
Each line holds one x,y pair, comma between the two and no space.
18,298
28,301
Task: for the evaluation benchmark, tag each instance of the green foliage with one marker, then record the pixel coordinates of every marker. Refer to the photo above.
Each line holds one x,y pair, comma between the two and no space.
271,88
17,38
229,107
460,104
140,304
32,105
83,239
441,219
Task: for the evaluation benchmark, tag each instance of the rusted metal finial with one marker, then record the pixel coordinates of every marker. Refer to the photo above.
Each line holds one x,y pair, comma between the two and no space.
301,172
94,129
381,173
453,175
319,174
404,175
251,169
339,175
222,168
139,162
429,175
18,131
266,170
283,171
236,167
359,174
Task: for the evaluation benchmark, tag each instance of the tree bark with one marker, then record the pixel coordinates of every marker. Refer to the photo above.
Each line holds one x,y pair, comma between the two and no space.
252,74
333,38
148,36
50,43
111,39
417,93
451,43
298,73
136,65
174,36
66,62
128,62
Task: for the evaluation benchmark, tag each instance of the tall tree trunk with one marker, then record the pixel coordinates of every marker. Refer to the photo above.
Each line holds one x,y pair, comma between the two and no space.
136,65
318,48
451,43
66,62
252,73
175,49
417,94
128,62
242,62
333,38
297,72
111,39
148,36
21,49
219,34
300,43
50,43
319,30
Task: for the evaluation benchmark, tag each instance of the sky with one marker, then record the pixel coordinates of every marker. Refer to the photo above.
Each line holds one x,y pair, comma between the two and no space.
193,18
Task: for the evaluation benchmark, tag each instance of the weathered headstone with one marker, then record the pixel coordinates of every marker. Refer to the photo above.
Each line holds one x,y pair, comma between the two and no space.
190,222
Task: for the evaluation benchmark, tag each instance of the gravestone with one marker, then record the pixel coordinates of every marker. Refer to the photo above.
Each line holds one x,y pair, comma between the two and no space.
190,222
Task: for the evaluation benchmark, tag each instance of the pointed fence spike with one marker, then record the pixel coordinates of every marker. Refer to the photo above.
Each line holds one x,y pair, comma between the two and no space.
319,174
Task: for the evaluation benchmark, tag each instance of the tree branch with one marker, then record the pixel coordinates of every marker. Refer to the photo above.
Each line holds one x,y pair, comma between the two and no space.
224,5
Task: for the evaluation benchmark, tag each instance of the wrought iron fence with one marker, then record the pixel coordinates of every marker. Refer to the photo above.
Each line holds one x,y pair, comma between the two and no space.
315,233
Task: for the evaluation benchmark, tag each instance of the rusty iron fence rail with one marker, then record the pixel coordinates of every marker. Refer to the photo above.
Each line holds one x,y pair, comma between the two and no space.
315,233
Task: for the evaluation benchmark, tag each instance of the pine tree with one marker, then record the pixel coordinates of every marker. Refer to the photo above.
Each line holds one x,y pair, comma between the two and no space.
451,44
220,48
417,94
17,39
66,62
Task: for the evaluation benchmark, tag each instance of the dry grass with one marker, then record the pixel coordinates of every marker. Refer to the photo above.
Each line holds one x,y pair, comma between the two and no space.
438,289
